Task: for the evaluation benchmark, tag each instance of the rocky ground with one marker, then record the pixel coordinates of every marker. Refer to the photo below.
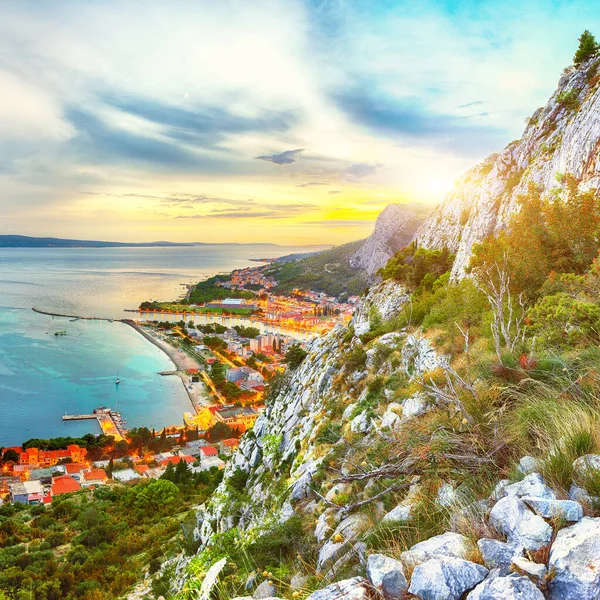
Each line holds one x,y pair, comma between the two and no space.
524,540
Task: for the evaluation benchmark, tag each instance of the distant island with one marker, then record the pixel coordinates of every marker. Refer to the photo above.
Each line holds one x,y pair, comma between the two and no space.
24,241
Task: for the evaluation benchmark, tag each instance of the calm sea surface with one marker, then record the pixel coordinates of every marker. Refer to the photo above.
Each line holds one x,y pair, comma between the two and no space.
43,376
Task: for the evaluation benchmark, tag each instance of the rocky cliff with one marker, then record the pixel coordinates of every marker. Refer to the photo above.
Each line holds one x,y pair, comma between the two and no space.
394,228
563,137
351,443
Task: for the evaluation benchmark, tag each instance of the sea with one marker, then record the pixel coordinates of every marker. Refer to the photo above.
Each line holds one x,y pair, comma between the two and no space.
43,375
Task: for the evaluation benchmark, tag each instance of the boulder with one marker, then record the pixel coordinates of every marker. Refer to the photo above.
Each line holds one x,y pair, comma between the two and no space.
587,463
575,562
513,587
499,490
348,411
532,485
445,578
531,569
568,510
298,582
361,423
414,407
580,495
449,544
402,512
386,575
447,495
352,526
323,527
498,555
265,590
528,465
356,588
330,552
511,517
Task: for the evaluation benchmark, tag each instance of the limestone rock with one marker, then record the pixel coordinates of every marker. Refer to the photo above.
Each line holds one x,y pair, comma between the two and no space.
349,589
264,590
387,299
528,465
498,555
513,587
445,578
586,464
414,407
575,562
532,485
578,494
511,517
361,423
453,545
567,510
402,512
386,575
210,579
298,582
531,569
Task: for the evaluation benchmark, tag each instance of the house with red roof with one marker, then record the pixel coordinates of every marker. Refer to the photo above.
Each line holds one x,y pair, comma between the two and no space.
93,477
174,460
64,484
76,469
209,457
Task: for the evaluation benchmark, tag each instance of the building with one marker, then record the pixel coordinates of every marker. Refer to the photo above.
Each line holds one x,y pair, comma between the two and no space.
64,484
125,475
209,458
75,470
229,446
94,477
175,460
239,374
236,416
48,458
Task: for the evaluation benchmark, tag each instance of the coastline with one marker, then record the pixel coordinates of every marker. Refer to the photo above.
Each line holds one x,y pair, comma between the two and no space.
181,361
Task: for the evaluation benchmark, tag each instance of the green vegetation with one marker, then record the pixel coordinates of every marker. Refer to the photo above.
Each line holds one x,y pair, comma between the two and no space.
588,48
94,545
417,268
294,356
328,271
247,332
207,291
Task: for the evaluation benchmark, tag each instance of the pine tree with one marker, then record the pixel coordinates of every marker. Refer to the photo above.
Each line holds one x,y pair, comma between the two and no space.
588,47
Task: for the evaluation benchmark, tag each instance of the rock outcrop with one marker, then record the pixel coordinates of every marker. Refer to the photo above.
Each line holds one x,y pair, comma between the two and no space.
563,137
394,228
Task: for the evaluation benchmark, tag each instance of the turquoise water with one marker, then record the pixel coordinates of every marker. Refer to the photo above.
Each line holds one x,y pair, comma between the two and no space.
43,376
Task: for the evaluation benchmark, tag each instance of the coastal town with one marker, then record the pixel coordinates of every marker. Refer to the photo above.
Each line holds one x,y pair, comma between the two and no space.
225,350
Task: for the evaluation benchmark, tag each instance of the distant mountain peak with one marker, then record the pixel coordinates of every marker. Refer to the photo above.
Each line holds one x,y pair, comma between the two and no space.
394,228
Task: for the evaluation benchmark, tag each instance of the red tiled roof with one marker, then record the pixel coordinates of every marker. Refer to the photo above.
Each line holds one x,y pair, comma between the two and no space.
231,442
95,475
141,469
174,460
16,449
209,451
64,485
75,468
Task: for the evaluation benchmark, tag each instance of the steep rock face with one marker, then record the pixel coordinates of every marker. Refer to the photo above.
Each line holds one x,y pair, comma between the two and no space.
561,138
394,228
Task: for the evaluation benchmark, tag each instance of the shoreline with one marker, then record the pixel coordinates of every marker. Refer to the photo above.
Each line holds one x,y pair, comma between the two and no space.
181,361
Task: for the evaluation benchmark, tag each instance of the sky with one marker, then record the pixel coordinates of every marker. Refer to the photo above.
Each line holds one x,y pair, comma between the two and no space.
283,121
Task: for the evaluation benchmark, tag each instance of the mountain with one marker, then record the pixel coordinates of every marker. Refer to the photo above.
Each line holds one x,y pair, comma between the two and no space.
394,228
420,451
351,267
562,137
24,241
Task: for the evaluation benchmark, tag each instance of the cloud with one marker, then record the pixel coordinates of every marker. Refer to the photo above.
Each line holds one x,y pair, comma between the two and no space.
339,223
333,192
204,126
361,170
311,184
409,121
268,212
285,158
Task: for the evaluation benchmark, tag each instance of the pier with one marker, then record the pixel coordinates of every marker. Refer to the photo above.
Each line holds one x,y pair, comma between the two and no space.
109,421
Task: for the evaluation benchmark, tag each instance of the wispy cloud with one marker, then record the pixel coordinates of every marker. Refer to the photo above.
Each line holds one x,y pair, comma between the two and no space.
311,184
284,158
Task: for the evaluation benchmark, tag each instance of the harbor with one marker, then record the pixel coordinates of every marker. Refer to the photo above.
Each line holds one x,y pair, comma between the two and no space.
110,421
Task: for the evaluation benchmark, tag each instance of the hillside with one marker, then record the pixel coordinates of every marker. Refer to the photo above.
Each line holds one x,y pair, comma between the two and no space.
561,138
23,241
351,267
445,445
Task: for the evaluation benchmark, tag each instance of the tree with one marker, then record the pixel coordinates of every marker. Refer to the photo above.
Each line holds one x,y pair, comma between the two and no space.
294,356
588,48
10,456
